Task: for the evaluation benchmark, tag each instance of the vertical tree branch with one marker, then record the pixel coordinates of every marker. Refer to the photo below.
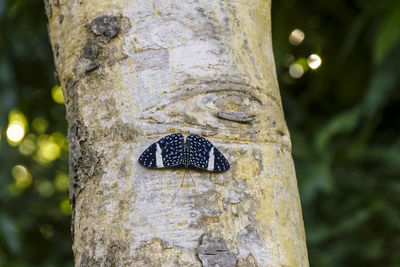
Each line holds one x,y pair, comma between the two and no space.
134,71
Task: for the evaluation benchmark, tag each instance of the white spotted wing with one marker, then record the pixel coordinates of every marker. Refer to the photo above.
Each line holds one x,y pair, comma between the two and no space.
166,152
204,155
172,151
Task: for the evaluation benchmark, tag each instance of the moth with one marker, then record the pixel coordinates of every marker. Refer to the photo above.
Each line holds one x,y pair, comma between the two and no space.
173,152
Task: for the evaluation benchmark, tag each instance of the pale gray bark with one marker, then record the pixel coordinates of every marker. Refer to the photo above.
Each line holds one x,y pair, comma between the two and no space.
135,71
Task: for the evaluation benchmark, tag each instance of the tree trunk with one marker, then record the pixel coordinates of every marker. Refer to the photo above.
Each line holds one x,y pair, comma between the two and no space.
135,71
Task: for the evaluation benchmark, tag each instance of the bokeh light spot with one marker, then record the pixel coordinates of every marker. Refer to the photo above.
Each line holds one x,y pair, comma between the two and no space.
48,149
40,125
44,188
15,132
16,115
314,61
60,140
296,37
57,94
296,70
65,207
46,230
61,182
22,177
27,147
17,125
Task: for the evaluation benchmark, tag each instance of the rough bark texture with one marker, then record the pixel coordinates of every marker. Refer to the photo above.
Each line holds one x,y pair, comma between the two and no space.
134,71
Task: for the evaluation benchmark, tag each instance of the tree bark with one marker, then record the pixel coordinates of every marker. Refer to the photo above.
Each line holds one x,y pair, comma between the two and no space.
135,71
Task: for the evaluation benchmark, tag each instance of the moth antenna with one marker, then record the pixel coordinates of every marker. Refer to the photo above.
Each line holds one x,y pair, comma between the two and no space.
183,178
192,180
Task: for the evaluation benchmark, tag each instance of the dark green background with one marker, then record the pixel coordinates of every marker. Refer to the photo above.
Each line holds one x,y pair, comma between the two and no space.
343,118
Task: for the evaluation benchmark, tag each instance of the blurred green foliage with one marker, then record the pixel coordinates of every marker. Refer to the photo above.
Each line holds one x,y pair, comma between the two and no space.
34,207
343,118
344,124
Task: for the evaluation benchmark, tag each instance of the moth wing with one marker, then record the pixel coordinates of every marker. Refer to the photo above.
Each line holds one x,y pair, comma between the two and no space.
166,152
204,155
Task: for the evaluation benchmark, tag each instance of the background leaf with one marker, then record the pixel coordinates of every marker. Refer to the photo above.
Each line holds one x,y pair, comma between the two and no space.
344,121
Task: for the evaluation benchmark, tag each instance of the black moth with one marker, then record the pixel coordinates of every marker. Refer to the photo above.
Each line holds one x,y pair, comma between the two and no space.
173,151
